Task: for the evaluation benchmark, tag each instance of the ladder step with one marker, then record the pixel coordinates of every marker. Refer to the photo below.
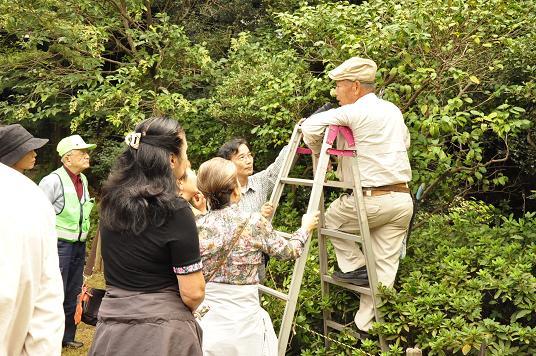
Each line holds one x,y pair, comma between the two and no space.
340,327
346,153
341,235
359,289
273,292
309,183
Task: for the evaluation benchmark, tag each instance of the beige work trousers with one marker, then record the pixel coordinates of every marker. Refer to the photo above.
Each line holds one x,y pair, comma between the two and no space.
388,217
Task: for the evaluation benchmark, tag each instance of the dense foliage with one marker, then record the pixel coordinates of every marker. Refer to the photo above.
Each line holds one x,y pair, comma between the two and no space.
469,281
461,71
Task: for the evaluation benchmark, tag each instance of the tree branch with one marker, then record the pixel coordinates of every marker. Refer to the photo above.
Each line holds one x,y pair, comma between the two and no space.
463,90
103,58
120,45
505,158
149,15
439,179
459,169
416,94
126,20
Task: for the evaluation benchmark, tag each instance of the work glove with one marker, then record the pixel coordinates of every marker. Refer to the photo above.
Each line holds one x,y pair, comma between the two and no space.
323,108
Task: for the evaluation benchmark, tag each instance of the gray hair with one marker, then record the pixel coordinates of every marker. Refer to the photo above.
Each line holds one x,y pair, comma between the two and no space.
64,157
368,86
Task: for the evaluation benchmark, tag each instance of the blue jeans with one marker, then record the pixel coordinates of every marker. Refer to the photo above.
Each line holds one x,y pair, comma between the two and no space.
72,256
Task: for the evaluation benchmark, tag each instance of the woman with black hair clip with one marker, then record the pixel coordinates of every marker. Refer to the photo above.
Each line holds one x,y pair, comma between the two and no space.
150,250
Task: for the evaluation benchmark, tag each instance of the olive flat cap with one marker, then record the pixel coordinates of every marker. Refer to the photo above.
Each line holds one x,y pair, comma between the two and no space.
355,69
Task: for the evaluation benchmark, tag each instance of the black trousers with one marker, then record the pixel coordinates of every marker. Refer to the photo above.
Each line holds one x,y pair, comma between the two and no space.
72,256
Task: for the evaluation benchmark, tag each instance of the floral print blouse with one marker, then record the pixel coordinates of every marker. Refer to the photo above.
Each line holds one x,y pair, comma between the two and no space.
216,231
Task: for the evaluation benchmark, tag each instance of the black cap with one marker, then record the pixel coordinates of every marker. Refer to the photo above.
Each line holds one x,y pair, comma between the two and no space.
15,142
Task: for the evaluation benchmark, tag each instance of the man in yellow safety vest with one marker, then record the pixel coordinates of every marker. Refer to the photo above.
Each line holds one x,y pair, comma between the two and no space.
67,190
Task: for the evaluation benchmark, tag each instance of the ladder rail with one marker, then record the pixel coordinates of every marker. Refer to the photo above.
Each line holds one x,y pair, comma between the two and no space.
299,266
370,261
288,162
323,267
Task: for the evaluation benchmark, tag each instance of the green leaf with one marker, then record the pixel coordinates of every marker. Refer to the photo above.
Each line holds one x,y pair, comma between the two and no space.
466,348
520,314
474,79
424,109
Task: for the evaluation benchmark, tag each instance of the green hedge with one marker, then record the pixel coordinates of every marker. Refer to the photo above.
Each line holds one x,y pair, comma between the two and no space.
468,280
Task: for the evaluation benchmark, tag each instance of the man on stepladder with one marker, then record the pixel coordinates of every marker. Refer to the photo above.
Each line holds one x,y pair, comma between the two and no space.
382,140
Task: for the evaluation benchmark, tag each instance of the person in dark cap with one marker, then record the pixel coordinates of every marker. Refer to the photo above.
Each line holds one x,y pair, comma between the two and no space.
17,147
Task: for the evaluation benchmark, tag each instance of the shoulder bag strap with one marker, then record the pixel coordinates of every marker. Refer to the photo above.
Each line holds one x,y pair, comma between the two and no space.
225,256
88,270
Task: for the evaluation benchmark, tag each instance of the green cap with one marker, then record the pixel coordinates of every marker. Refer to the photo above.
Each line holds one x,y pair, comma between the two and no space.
74,142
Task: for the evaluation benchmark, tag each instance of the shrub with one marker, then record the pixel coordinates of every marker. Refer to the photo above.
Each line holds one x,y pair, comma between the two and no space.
468,281
465,283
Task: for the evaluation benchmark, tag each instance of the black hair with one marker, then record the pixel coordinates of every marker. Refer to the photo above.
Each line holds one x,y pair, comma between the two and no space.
141,189
230,148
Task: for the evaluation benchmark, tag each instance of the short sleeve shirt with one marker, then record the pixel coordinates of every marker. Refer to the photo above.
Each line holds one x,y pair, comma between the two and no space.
150,261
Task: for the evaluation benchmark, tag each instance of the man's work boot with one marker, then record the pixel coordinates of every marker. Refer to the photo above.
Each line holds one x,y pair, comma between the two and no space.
357,277
72,344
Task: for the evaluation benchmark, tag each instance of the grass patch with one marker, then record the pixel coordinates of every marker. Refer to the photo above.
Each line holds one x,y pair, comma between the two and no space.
84,333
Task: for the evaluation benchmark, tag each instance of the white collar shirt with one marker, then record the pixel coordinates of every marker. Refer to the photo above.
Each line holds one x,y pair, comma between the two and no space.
381,138
260,185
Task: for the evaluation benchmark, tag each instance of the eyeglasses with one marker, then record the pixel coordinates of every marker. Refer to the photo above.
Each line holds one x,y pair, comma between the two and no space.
245,157
78,153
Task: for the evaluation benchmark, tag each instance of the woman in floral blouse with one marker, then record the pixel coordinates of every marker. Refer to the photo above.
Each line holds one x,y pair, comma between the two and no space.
231,245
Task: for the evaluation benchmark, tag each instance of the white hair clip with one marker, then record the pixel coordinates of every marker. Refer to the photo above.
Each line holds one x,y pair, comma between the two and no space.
133,139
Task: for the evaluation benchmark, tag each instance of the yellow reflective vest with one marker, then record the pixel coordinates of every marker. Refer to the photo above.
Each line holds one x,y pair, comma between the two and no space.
72,223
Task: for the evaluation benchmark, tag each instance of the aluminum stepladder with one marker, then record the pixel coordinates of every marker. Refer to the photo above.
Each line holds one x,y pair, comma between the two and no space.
316,202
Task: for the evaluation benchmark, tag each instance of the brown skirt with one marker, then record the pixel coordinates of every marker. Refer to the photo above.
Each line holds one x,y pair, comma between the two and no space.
137,323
